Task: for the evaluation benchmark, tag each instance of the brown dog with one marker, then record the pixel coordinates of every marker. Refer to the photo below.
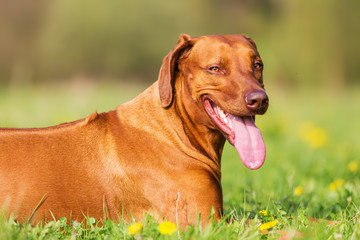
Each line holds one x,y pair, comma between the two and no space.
159,153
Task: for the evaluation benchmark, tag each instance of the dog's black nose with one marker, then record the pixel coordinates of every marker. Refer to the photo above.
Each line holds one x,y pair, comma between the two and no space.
257,101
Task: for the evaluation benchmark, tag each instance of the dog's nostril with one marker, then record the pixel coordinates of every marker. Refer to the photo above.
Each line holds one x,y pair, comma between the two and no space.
265,101
252,102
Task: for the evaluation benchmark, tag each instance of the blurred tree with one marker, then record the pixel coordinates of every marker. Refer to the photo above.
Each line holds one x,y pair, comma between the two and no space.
303,42
114,38
315,44
20,22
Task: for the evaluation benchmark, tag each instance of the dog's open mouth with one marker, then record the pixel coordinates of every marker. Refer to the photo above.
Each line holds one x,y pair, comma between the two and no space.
240,132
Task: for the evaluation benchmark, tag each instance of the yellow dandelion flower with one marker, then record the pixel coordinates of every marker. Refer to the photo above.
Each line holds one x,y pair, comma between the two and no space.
135,228
298,191
316,137
167,228
332,187
263,212
339,182
336,184
353,166
268,225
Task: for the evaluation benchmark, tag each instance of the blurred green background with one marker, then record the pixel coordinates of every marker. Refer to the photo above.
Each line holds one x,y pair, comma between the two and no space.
304,43
60,60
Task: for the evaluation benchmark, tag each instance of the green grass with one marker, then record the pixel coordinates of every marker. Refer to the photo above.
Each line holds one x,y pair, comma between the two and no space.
291,162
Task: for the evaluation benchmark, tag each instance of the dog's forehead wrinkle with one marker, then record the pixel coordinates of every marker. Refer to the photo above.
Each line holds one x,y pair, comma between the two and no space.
222,47
228,39
242,54
206,58
235,41
215,43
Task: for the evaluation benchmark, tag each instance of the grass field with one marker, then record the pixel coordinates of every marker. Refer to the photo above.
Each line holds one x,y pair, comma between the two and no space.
312,167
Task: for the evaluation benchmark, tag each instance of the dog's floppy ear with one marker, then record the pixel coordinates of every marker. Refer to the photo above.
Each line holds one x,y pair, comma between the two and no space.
168,70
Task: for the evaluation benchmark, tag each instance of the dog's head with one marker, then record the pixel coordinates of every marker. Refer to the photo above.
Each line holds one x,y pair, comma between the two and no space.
223,76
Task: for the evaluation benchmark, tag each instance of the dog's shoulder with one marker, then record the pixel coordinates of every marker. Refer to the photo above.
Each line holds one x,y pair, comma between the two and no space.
90,118
78,123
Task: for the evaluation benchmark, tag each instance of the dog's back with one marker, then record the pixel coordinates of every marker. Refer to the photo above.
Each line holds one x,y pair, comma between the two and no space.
50,164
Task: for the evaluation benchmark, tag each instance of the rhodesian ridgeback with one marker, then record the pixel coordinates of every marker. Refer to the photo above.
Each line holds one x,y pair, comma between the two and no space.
158,153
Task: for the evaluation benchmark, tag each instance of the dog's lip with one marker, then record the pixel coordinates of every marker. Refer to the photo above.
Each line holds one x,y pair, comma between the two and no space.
219,117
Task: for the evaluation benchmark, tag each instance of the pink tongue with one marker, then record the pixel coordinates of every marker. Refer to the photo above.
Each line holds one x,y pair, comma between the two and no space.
248,142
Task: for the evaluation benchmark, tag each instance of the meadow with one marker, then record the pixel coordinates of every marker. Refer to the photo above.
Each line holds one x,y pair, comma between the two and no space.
311,169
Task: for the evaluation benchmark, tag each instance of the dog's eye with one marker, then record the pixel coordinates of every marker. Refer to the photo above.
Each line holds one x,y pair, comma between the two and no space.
258,65
214,69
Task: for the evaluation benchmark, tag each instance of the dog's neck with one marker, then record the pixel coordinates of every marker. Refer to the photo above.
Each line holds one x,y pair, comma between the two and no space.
196,140
208,141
